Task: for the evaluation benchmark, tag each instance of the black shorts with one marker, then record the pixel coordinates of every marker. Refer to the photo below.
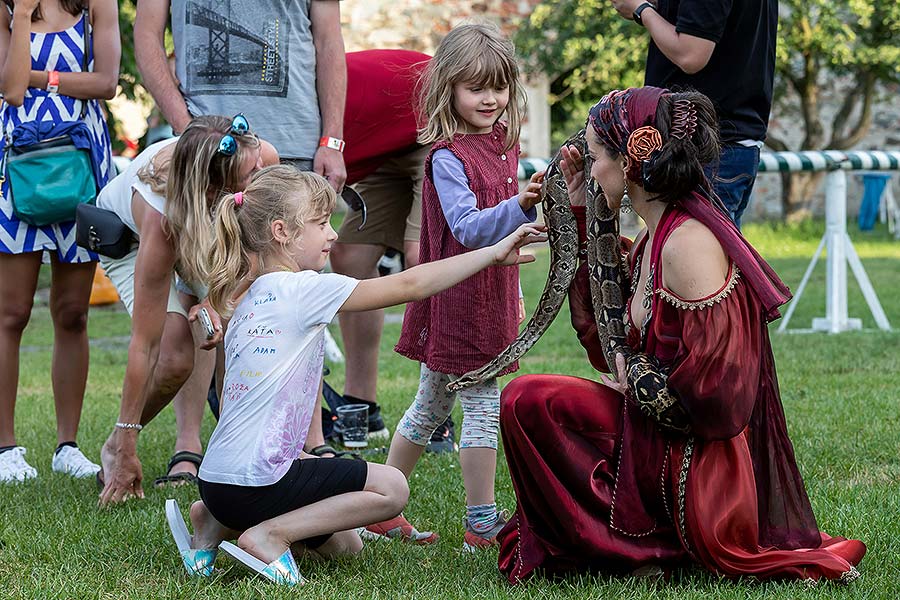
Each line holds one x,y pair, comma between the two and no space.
309,480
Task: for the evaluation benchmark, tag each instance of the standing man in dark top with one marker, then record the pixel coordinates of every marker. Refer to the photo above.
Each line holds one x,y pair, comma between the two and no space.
726,50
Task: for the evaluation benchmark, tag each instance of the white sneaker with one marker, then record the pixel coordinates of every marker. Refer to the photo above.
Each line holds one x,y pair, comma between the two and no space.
13,466
71,460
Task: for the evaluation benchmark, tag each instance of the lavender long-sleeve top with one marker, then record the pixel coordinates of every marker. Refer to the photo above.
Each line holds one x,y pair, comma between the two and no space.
471,227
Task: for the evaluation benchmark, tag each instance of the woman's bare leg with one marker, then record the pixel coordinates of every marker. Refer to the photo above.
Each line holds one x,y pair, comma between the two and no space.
18,281
70,294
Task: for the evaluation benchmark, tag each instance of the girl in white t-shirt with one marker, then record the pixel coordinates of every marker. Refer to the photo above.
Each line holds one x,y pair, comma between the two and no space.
271,242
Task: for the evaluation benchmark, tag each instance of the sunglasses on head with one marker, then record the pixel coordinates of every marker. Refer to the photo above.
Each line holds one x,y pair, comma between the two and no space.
239,126
355,202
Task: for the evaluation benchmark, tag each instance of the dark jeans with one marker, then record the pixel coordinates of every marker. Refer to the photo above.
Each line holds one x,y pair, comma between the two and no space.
733,180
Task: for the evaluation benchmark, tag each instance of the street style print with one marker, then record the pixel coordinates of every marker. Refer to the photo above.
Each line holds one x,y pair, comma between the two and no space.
234,47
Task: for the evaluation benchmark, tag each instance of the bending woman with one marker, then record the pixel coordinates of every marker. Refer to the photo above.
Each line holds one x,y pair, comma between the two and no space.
708,476
165,198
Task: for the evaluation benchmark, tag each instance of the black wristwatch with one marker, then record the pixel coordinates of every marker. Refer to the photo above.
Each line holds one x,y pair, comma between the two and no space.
637,12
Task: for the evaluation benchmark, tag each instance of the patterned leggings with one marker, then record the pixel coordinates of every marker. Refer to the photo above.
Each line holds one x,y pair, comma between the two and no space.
433,403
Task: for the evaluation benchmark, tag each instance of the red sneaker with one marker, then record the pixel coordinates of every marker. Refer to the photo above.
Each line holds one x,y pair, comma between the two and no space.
398,528
473,540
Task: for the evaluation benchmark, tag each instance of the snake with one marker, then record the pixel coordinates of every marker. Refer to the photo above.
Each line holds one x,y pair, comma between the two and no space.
562,236
646,377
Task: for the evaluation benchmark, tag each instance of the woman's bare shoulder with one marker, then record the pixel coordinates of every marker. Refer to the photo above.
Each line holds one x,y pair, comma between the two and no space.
694,264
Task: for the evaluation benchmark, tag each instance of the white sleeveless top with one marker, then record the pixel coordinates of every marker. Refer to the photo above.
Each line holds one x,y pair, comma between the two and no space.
116,196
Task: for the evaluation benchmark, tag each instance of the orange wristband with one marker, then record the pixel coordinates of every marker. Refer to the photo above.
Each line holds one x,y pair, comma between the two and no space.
53,82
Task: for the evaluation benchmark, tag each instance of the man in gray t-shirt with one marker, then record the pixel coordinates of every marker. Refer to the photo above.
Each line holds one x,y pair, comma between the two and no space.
279,62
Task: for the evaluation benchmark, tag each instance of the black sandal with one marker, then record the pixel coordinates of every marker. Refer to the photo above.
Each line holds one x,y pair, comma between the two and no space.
178,478
320,451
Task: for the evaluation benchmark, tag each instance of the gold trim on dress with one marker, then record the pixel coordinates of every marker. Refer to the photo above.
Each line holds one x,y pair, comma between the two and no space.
851,575
612,505
704,302
682,491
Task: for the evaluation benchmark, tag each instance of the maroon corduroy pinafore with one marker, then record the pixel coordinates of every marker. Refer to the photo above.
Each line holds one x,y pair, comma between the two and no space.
466,326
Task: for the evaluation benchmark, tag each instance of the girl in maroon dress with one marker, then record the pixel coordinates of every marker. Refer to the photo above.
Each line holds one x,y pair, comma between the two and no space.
603,484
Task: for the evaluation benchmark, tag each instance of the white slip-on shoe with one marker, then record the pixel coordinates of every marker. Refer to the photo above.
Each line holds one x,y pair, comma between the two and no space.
197,561
282,570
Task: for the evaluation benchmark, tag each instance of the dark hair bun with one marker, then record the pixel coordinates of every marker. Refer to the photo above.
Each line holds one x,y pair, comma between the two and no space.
690,133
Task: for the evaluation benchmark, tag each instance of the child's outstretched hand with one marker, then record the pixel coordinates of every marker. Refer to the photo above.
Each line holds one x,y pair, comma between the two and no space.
531,196
506,251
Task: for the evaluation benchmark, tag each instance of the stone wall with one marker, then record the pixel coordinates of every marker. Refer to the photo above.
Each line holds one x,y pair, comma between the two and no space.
884,134
421,24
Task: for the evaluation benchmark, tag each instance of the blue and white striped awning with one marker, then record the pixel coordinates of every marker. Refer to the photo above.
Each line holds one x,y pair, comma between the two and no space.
787,162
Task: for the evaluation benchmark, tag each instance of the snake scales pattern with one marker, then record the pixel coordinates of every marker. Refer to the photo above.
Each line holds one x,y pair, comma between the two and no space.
562,233
645,376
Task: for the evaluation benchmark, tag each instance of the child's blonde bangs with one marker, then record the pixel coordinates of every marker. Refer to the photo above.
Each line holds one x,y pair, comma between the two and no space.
320,202
489,70
476,53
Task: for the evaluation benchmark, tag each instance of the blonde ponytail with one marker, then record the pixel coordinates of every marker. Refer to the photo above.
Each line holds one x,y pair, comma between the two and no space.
198,176
228,262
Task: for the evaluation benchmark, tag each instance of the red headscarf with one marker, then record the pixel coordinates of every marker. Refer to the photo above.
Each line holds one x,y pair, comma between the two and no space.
615,118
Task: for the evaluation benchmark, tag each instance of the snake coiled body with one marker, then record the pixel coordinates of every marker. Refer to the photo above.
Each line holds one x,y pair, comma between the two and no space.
646,377
562,233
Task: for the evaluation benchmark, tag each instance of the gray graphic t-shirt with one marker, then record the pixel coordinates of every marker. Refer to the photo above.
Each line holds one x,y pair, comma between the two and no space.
254,57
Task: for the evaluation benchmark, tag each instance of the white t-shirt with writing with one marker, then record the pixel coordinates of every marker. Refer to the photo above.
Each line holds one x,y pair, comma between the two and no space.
274,351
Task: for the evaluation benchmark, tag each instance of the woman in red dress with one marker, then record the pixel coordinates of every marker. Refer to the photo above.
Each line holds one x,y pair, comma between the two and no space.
603,484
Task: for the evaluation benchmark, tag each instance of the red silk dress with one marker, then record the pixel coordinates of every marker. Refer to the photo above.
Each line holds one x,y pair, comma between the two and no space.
601,487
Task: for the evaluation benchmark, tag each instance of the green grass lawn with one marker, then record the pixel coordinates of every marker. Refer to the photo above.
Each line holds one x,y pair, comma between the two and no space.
841,395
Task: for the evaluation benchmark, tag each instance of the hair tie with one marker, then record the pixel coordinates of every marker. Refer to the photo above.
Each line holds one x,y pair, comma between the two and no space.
684,120
239,198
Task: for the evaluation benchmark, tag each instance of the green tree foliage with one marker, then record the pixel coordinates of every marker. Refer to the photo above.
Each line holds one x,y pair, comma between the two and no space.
841,50
586,49
826,48
129,79
128,74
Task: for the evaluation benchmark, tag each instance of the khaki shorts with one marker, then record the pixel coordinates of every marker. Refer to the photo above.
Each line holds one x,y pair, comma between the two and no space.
393,196
121,272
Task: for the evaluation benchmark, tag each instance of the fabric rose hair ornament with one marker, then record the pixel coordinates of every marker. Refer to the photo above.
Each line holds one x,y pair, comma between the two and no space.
642,146
643,142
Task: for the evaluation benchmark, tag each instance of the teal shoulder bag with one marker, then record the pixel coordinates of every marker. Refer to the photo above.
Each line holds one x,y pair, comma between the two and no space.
49,166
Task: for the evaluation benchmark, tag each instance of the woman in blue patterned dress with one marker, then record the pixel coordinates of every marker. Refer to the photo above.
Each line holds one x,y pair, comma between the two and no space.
41,51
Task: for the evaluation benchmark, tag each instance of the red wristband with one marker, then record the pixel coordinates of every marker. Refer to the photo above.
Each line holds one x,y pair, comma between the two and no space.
53,82
333,143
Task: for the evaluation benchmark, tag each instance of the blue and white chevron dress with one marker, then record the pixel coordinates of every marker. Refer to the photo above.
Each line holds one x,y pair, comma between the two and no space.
59,51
